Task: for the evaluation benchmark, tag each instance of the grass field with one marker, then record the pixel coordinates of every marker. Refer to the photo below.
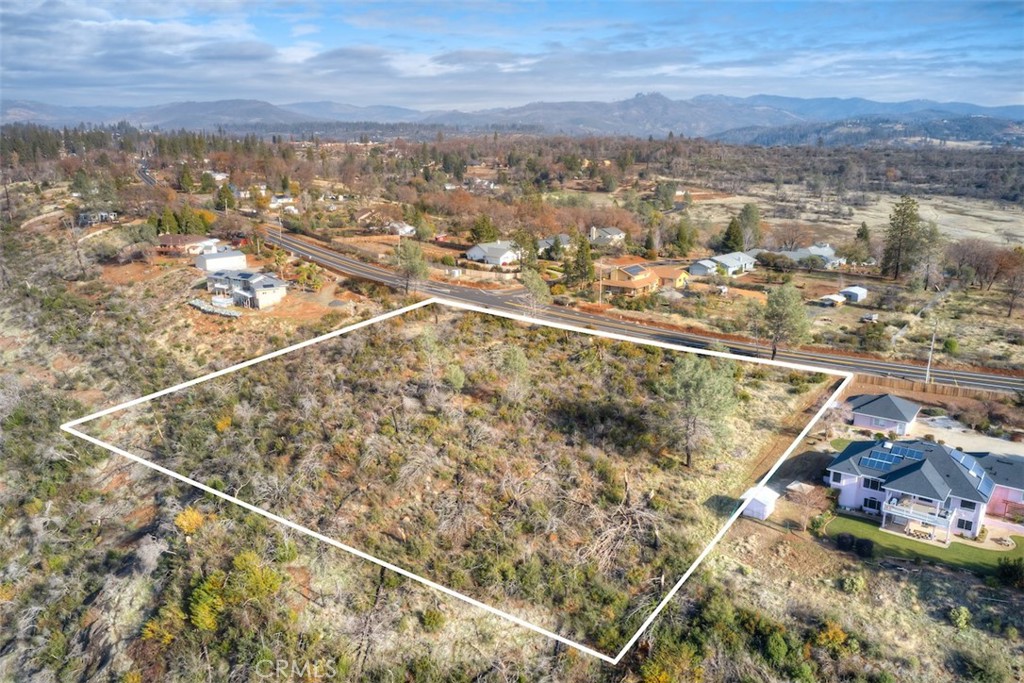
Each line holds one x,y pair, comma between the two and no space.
957,555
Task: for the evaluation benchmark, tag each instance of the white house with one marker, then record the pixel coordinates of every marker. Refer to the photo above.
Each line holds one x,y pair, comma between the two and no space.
926,489
400,228
494,253
247,288
606,237
703,267
226,259
854,294
762,502
735,262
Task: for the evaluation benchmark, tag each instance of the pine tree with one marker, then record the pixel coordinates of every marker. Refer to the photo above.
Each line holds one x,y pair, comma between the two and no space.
733,238
168,222
904,239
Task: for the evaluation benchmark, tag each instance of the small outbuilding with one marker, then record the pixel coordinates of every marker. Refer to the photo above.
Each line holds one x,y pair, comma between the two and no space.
229,259
854,294
832,300
704,267
762,502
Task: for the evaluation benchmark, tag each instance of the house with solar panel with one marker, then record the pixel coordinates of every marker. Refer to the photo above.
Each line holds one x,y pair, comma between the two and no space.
246,288
631,281
925,489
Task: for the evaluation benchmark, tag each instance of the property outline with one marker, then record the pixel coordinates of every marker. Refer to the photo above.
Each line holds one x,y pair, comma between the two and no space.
70,428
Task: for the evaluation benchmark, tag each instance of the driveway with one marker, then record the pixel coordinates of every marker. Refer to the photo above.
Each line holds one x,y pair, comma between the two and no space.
955,434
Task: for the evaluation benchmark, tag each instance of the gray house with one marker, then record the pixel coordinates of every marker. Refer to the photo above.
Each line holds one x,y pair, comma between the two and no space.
703,267
735,262
924,489
606,237
883,412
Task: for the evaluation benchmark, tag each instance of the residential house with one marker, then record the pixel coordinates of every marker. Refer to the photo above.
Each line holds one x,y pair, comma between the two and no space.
672,277
225,259
1007,471
883,412
400,228
279,200
823,250
545,244
606,237
185,245
922,488
703,267
735,262
854,294
247,288
498,253
630,281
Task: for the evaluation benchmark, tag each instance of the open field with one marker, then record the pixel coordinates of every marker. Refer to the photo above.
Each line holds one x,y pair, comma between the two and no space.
531,468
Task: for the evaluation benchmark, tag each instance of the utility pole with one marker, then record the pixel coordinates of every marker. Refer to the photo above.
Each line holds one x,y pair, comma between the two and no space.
928,370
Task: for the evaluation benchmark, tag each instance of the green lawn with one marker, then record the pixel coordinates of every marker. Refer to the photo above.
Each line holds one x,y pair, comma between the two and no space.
840,444
959,555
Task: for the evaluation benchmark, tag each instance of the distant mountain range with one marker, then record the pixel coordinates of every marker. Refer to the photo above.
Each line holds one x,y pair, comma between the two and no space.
761,119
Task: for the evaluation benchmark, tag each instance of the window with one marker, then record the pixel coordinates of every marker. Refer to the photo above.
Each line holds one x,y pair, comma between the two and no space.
878,422
836,477
964,524
872,484
872,504
929,501
968,505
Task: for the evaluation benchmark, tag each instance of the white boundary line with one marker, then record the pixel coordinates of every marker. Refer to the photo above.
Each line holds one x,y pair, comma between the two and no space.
70,427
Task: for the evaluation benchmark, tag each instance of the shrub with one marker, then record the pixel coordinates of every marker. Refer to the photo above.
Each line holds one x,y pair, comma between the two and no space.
818,523
189,520
951,346
865,548
432,620
984,668
1011,572
960,617
845,541
853,584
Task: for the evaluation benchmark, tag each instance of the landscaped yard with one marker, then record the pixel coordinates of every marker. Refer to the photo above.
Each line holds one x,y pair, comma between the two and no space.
959,555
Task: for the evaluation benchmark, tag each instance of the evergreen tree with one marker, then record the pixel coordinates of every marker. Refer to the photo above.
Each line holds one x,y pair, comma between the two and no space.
580,266
483,230
863,233
412,265
750,226
225,199
185,182
168,222
733,238
527,247
904,239
782,320
700,396
686,236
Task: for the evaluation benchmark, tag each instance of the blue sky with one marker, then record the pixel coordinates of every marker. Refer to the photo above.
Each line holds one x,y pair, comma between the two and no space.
474,55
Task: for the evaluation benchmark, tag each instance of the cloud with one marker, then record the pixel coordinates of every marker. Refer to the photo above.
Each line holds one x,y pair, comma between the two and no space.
450,55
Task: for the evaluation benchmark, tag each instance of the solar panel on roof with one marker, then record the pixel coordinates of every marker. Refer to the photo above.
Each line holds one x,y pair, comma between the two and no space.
899,450
875,464
914,454
986,487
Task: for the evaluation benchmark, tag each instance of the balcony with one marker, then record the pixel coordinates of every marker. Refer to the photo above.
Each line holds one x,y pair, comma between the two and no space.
919,512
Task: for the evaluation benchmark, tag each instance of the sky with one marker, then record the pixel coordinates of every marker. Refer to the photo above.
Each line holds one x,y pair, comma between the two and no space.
467,55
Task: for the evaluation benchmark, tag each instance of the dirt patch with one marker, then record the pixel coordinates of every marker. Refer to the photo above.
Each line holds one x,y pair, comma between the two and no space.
134,273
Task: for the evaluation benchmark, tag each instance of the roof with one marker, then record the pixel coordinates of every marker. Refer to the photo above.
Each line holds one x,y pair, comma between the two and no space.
855,290
735,259
885,406
837,298
181,240
496,249
252,278
635,270
761,494
672,272
707,263
546,243
227,253
920,468
1005,470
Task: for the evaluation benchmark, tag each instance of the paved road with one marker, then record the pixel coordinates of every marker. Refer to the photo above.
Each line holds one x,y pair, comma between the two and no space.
513,302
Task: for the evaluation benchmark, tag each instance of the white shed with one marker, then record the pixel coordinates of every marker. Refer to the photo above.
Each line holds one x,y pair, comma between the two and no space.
230,259
762,502
704,267
854,294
